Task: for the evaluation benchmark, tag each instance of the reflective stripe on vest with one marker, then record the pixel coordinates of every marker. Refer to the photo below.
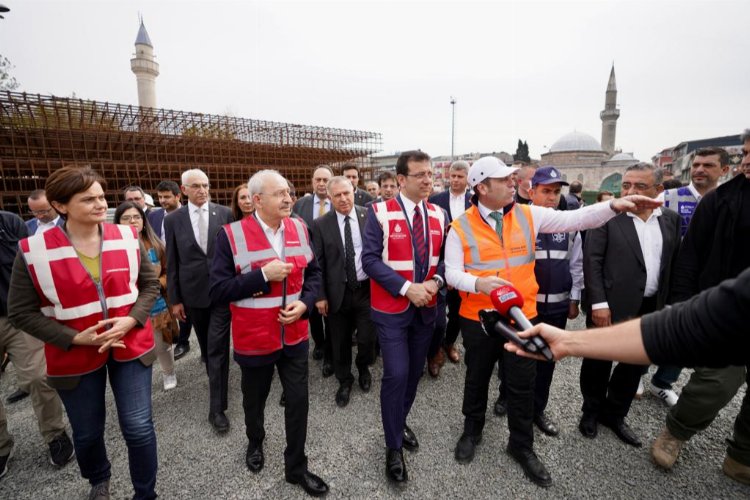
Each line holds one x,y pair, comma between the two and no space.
485,255
552,297
682,201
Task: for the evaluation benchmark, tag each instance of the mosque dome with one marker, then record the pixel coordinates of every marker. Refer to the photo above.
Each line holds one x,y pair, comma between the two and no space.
575,141
623,157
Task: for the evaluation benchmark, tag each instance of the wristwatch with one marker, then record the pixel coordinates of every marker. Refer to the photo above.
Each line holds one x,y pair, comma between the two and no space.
439,281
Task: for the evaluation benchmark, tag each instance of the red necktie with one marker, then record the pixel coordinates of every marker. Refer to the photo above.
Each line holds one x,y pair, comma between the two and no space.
417,228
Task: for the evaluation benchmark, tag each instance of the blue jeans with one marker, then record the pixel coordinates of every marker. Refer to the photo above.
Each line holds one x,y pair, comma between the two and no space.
131,386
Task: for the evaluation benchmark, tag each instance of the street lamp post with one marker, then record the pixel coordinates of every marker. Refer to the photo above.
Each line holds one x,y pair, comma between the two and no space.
453,126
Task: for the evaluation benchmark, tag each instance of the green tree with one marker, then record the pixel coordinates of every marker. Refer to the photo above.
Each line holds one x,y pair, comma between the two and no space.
522,152
7,82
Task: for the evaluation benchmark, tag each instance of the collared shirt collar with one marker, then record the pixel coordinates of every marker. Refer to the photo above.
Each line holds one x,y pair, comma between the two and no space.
340,217
192,207
694,192
654,214
266,228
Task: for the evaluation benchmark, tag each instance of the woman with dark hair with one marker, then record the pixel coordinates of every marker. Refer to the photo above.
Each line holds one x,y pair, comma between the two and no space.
242,202
86,289
162,321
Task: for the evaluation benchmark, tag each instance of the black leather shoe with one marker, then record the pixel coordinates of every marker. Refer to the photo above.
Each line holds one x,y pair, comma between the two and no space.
282,399
546,425
588,425
318,353
395,467
219,422
622,431
465,448
180,350
343,395
327,370
410,440
365,379
500,407
254,457
312,484
16,396
532,466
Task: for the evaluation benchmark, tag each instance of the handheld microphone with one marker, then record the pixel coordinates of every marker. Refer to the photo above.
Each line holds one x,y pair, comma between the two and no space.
508,302
494,325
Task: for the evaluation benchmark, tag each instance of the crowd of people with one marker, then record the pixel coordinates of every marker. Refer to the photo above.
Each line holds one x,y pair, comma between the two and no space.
398,270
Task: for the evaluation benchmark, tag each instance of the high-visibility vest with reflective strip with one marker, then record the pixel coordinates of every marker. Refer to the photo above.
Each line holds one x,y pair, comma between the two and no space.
552,270
682,201
398,251
255,320
485,255
69,295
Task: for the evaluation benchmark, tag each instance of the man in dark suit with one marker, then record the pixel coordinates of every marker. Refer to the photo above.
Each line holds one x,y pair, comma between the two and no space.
351,172
454,201
627,272
402,255
45,216
310,208
190,237
388,188
169,199
345,297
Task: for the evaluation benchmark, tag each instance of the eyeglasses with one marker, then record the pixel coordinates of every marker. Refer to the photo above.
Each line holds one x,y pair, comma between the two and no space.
639,186
128,218
421,175
197,186
40,212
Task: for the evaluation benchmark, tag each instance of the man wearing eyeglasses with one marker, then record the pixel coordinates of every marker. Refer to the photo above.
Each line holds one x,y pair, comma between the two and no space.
190,236
627,273
45,216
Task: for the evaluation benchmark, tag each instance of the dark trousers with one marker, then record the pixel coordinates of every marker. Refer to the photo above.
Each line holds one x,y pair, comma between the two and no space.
200,317
438,334
404,350
256,383
320,331
354,314
665,376
212,329
453,301
610,396
545,369
85,406
184,337
482,352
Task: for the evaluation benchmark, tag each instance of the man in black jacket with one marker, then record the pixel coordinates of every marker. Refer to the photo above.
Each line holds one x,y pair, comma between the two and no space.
716,247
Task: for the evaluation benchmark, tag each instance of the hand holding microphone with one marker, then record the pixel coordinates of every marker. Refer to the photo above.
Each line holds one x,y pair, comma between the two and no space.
508,302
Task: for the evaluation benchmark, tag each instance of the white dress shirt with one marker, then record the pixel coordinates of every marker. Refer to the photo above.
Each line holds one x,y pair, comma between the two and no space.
409,209
651,242
42,227
275,238
457,204
545,220
195,213
316,205
356,239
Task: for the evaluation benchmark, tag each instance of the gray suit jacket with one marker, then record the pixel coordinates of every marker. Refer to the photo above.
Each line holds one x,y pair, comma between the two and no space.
329,249
614,270
362,197
187,265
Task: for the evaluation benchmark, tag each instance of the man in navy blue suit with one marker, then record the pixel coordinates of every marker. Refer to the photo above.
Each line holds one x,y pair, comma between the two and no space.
402,255
45,216
454,201
169,199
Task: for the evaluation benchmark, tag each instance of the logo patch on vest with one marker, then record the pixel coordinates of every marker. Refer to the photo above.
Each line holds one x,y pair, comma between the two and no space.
558,237
397,228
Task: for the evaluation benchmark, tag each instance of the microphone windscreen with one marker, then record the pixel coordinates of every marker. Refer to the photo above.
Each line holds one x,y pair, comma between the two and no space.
505,297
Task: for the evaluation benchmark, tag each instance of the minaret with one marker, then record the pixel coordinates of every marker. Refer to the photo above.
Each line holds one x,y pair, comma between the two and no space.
610,114
146,69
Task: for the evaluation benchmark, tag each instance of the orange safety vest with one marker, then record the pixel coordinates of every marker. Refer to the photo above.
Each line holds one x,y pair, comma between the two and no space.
70,296
255,320
398,251
512,259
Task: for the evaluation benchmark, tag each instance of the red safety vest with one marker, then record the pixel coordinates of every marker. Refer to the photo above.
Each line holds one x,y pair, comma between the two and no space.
255,320
70,296
398,251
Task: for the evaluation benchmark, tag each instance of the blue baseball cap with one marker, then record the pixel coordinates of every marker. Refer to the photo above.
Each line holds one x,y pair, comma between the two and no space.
547,175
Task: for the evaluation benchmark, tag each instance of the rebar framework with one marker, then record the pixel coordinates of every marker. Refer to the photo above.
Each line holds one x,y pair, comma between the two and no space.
130,145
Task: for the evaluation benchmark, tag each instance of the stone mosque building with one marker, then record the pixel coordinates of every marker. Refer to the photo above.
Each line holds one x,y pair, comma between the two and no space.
581,157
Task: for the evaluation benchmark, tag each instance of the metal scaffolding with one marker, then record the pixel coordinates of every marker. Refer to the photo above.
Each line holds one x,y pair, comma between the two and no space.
131,145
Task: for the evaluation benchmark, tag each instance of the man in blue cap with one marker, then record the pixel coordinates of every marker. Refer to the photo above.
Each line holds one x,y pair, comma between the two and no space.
559,272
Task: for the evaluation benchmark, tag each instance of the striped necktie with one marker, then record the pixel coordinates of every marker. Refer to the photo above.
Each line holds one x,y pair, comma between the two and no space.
498,224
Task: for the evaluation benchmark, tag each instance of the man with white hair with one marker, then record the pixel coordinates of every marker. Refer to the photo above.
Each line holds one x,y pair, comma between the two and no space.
190,234
266,270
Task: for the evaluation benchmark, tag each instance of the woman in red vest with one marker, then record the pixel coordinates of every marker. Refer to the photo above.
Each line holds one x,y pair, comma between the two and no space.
86,289
162,321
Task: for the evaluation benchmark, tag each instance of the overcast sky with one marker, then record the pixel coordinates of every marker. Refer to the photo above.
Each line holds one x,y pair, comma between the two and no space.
530,70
